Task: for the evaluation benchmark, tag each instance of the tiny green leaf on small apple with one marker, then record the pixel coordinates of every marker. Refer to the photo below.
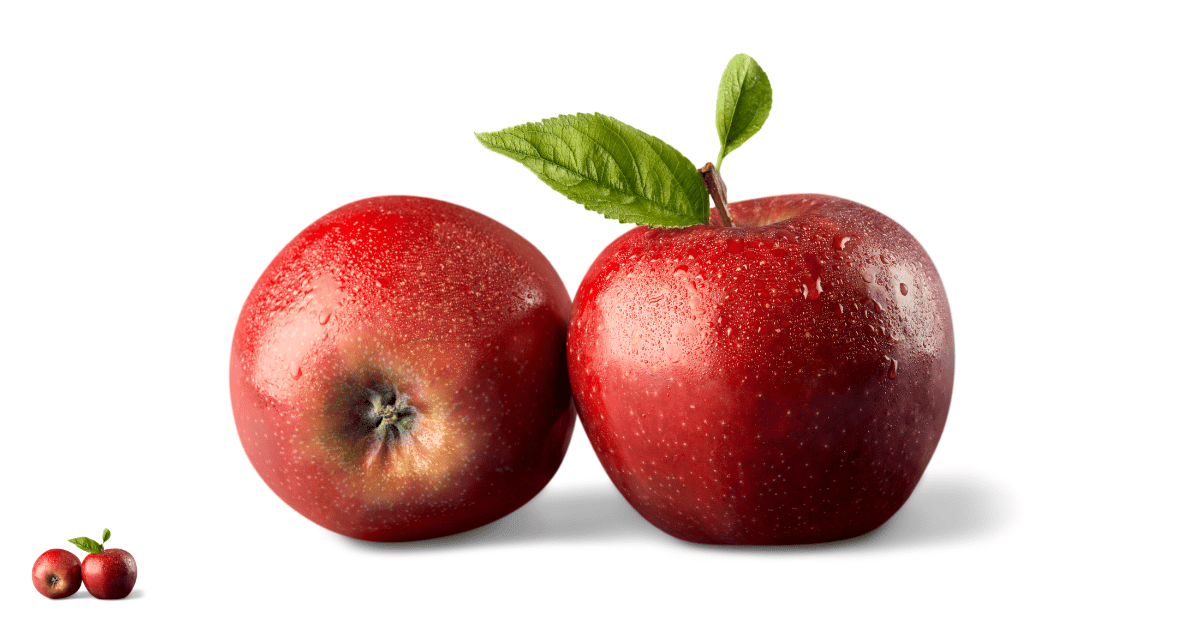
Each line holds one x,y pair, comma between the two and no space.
88,545
609,167
743,103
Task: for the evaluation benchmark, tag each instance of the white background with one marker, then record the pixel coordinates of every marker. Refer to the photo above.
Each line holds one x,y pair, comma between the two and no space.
154,158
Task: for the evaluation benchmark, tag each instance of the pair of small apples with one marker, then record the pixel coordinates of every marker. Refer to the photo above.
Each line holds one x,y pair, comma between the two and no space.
775,371
108,574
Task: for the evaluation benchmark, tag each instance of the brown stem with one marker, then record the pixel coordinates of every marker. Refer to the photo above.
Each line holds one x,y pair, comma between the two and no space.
719,193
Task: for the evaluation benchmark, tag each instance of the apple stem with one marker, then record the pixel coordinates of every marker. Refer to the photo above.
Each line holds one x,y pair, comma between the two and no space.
719,194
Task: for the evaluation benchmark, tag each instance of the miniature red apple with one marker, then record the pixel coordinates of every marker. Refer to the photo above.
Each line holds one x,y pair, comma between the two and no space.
782,381
109,575
399,370
56,574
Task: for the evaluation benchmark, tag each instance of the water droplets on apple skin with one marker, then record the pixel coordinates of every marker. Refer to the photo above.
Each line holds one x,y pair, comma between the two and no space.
782,272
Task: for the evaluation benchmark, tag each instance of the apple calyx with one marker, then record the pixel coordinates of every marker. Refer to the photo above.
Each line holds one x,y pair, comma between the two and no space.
719,193
379,417
90,546
391,414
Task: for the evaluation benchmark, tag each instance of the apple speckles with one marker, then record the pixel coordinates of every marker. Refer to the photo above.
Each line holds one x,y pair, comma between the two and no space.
782,345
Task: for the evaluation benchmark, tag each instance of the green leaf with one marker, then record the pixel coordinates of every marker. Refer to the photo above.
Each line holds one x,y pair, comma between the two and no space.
87,545
743,103
107,535
609,167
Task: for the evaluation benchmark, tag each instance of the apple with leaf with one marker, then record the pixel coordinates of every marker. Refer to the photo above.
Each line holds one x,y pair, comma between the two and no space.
770,371
108,574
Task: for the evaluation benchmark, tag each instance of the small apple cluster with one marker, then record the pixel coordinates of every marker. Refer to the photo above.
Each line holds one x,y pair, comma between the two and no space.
108,574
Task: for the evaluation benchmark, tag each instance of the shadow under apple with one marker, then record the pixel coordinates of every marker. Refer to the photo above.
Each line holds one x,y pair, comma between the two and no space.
944,509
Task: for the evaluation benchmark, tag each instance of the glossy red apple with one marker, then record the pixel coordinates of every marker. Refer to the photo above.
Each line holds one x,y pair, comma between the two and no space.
399,370
781,381
56,574
109,575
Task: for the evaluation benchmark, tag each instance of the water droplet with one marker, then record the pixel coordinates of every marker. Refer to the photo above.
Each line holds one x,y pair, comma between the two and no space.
324,317
841,310
840,243
878,307
904,289
681,271
892,367
295,370
813,294
674,353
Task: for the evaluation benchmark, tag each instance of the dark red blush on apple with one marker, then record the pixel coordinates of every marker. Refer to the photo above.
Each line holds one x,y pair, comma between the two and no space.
782,381
109,575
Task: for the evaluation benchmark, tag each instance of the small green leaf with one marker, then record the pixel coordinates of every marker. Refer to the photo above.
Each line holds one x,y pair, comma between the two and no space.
107,535
743,103
609,167
87,545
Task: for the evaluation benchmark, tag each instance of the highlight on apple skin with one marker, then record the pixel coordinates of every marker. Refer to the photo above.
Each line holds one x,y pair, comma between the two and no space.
782,381
398,372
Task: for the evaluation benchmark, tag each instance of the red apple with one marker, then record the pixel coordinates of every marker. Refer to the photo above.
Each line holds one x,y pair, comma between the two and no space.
781,381
56,574
109,575
399,370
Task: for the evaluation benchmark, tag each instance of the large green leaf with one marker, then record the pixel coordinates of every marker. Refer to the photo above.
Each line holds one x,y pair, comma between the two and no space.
609,167
87,545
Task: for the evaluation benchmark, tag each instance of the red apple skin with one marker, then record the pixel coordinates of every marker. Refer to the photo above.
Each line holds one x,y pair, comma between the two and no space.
783,381
109,575
413,297
56,574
